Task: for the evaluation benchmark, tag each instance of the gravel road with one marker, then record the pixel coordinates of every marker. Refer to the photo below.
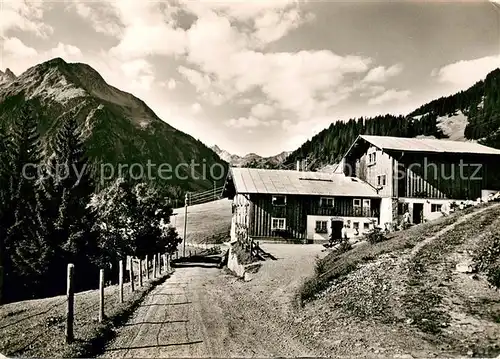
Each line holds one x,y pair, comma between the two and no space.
205,312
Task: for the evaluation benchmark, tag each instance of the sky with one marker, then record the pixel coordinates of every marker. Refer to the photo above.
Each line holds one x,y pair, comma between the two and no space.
262,76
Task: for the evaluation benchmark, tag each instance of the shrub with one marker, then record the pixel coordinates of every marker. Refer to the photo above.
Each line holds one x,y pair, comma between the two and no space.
319,266
375,236
487,258
343,247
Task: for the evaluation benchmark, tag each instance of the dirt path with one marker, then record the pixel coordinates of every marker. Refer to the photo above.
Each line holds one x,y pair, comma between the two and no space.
205,312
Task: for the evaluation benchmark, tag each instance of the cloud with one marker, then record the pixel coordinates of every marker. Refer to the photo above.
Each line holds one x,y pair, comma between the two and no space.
249,122
65,51
171,84
390,95
196,108
16,47
262,111
463,74
272,26
371,90
141,71
381,74
24,16
101,16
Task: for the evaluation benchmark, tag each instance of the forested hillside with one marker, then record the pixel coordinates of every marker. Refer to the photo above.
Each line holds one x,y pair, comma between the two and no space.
479,106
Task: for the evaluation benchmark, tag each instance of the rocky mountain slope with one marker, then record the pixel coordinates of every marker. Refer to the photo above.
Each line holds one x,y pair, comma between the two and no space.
251,159
471,115
118,127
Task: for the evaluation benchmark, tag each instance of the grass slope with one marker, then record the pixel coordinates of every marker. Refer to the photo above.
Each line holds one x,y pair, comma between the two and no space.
404,295
207,223
35,328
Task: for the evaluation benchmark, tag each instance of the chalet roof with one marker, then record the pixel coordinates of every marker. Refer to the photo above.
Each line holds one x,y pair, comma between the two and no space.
253,180
428,145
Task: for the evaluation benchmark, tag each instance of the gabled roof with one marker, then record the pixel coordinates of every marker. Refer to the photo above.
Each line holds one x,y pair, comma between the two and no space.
428,145
253,180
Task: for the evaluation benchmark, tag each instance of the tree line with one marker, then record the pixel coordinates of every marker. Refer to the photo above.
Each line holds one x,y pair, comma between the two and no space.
480,103
52,213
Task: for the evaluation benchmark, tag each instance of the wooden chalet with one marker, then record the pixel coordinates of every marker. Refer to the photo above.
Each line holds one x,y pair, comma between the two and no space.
298,206
420,175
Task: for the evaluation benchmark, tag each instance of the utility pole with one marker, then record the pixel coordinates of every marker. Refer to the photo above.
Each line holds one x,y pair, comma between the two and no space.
186,200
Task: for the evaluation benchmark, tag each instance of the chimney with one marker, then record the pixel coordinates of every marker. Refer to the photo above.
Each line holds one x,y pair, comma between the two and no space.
298,165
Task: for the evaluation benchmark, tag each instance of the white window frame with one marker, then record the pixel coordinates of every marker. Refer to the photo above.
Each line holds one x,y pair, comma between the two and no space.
354,202
279,227
316,226
276,196
322,200
367,203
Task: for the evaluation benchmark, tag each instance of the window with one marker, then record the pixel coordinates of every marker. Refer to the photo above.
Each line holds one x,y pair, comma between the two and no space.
279,200
278,223
321,227
366,225
381,180
348,223
326,202
357,202
366,203
435,207
372,158
355,225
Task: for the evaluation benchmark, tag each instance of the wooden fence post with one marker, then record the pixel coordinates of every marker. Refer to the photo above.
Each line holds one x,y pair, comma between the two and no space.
140,272
147,267
120,279
131,274
165,262
101,295
70,294
154,266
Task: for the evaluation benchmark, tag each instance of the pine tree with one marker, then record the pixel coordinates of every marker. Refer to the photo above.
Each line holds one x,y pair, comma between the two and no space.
26,249
71,192
4,185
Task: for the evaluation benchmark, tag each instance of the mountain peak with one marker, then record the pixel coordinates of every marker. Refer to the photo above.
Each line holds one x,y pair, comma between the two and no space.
10,74
57,61
7,76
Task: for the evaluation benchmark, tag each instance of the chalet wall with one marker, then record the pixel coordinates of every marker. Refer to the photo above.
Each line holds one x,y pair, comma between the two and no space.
458,176
386,210
428,215
241,215
297,209
350,221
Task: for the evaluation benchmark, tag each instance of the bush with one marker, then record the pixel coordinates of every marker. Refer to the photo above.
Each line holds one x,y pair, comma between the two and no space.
343,247
375,236
319,267
487,258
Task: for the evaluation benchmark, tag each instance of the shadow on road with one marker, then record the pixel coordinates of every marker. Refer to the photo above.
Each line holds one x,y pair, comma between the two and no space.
157,323
155,346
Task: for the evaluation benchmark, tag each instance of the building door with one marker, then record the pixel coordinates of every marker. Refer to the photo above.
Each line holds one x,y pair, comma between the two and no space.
337,229
418,210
